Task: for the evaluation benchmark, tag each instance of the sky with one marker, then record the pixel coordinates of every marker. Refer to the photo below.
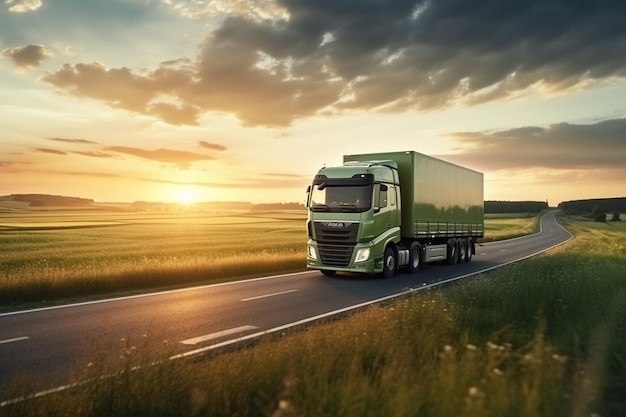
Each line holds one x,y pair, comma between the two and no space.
241,100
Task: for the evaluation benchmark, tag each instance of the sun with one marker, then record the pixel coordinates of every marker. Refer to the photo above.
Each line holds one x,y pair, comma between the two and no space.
186,196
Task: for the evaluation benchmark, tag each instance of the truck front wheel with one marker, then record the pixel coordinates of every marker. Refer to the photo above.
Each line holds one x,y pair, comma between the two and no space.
389,262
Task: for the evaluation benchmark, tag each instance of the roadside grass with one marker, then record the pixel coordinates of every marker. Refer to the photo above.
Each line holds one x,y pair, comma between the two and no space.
51,257
543,337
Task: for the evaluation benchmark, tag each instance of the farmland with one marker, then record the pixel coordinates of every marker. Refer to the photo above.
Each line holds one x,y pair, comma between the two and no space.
546,336
69,254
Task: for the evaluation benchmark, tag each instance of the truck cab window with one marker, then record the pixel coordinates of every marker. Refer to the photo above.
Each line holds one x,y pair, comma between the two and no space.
382,196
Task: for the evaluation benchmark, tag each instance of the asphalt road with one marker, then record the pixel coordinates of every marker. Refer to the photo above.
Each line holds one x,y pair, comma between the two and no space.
47,343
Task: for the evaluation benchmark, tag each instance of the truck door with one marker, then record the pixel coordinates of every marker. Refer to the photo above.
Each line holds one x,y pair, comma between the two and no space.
385,207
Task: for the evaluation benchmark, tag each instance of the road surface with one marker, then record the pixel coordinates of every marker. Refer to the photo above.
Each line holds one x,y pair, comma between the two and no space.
48,343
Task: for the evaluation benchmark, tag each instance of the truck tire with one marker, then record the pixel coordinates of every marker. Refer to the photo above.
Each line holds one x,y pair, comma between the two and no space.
453,252
415,257
470,250
328,272
390,262
462,250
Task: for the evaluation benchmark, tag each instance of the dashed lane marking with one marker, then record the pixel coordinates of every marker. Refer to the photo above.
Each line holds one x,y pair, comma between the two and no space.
15,339
268,295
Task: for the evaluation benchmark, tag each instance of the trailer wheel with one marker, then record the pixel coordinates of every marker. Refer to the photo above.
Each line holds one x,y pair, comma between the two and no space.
389,262
328,272
470,250
415,257
462,250
453,252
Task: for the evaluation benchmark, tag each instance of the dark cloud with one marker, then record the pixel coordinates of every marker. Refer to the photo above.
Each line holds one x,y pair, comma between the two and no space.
213,146
80,141
27,56
332,56
559,146
183,159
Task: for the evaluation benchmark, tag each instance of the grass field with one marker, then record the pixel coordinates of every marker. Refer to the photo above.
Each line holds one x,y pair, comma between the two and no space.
56,255
510,225
543,337
49,256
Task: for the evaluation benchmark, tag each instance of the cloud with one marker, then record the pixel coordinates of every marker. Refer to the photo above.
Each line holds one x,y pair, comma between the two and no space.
96,154
80,141
52,151
183,159
212,146
27,56
559,146
255,10
323,57
23,6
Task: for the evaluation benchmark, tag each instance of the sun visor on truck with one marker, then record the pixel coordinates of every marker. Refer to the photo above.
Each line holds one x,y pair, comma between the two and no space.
356,180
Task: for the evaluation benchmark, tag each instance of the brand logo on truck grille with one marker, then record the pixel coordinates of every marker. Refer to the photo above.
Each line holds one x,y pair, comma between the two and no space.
335,224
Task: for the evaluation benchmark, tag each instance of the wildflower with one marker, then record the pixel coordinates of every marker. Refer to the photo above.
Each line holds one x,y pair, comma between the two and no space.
497,372
471,347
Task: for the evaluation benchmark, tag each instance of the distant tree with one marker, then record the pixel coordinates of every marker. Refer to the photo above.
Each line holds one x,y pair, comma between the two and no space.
616,217
598,214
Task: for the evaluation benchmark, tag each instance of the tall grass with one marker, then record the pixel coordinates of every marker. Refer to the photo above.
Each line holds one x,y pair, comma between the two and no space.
545,337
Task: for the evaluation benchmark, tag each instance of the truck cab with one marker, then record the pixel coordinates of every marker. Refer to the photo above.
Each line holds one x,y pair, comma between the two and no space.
353,215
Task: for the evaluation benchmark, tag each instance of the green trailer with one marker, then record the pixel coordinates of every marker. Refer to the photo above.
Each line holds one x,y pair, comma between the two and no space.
381,212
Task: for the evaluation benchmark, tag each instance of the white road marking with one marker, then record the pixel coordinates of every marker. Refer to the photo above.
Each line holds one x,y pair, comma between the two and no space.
200,339
15,339
268,295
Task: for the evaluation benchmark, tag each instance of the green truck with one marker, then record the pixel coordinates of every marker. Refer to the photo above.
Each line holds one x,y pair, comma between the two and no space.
378,213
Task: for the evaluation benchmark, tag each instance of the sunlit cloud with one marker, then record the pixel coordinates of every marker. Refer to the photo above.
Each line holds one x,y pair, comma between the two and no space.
213,146
255,10
28,56
182,159
96,154
79,141
23,6
50,151
560,146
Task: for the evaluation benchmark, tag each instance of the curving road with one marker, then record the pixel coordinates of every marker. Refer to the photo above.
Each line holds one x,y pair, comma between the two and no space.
47,343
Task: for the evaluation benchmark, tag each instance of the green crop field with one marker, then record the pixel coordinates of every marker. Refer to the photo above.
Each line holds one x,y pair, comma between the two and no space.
59,255
543,337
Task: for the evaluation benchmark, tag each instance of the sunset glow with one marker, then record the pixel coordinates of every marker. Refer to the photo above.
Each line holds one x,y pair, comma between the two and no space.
189,101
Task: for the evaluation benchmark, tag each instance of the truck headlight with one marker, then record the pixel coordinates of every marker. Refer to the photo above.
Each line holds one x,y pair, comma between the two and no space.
312,253
362,255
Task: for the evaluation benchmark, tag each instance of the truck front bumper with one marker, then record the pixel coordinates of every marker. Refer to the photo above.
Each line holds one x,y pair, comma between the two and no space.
357,262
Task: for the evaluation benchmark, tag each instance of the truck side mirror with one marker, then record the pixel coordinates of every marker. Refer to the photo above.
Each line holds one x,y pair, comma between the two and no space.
308,193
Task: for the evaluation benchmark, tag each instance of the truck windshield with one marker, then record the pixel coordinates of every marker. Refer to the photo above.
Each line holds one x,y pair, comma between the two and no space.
341,198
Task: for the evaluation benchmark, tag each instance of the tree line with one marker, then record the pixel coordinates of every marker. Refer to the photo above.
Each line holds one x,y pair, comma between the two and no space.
493,206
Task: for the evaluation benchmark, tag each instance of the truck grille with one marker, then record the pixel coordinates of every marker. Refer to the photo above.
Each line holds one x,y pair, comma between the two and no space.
336,241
